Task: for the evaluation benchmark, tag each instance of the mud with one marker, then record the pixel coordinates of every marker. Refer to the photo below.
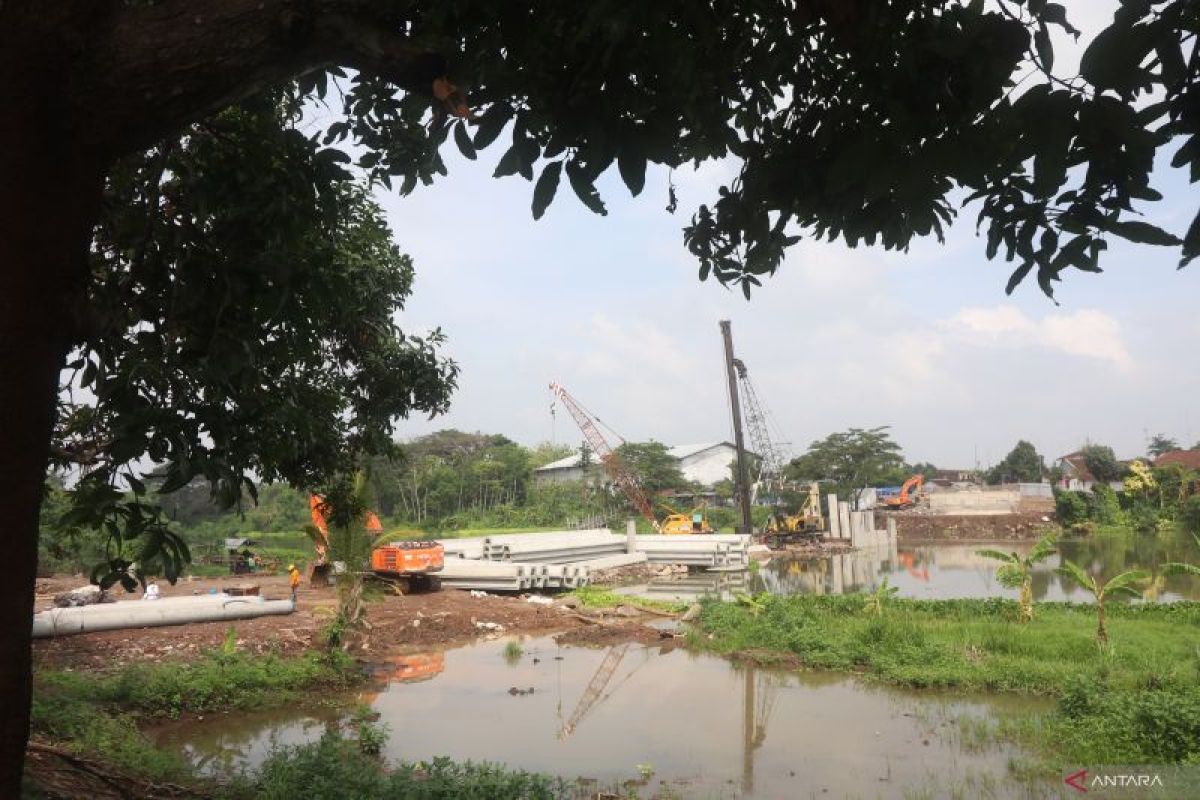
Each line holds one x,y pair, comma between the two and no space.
914,527
417,620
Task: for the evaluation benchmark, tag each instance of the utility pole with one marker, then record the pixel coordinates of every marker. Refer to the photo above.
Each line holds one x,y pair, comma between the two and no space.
741,491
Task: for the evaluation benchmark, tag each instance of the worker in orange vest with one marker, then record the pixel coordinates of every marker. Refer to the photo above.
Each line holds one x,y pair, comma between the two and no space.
294,576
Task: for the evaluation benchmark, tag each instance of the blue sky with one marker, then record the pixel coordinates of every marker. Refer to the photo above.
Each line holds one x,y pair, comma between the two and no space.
926,342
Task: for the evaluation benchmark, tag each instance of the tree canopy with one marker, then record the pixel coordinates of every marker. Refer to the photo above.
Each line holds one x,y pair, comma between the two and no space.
852,459
653,465
1161,443
1021,465
244,288
1102,462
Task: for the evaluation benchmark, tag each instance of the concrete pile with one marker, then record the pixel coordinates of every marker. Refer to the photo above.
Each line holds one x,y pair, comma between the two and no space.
553,547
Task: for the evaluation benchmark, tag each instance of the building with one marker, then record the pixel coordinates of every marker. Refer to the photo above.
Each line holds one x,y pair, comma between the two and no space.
1189,459
1076,477
705,464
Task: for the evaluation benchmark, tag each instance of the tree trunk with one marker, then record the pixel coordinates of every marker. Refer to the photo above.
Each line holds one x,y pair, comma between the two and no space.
1101,628
49,197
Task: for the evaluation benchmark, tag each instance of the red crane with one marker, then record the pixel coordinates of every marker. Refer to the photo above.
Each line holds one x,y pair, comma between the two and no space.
616,469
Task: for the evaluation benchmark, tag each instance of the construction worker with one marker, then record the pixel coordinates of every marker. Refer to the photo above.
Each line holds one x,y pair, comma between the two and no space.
294,579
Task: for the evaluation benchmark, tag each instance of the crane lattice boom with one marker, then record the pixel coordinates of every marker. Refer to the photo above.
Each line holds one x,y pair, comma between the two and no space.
613,465
770,471
595,687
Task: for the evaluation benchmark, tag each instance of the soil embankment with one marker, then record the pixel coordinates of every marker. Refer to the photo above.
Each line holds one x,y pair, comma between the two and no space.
918,527
432,619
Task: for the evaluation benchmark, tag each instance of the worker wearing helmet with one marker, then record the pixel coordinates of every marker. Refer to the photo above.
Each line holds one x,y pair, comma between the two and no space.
294,579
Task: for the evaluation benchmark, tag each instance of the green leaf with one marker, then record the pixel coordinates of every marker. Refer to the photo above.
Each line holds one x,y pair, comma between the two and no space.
1071,570
633,171
1045,50
585,188
998,555
510,163
1143,233
545,188
463,140
1126,579
491,123
1017,276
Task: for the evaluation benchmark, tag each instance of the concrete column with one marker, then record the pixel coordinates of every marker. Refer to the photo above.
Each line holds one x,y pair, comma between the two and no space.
630,536
847,573
871,523
831,503
844,519
835,567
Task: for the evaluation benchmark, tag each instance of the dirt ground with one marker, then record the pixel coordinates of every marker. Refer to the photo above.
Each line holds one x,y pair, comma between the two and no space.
419,620
915,527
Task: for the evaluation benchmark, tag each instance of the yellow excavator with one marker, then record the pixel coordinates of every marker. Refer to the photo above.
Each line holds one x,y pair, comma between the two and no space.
678,522
807,523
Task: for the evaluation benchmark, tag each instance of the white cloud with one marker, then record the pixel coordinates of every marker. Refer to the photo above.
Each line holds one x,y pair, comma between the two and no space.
1087,333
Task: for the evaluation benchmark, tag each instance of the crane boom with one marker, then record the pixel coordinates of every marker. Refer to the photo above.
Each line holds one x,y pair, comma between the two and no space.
771,459
613,465
595,687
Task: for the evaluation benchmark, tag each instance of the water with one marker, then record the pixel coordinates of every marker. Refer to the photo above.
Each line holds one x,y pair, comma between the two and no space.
704,726
942,571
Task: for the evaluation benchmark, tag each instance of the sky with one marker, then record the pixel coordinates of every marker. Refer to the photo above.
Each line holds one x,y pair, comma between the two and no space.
925,342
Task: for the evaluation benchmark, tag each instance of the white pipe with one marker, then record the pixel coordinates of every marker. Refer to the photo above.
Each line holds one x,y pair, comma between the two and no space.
152,613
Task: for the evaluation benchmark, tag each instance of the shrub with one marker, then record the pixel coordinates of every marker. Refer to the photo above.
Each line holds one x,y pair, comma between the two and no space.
1071,508
1191,514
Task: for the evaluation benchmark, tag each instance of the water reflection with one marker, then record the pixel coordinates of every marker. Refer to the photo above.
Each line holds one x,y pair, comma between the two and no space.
707,727
938,571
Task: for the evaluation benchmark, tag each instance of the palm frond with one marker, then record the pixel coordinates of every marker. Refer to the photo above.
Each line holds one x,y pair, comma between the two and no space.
1045,547
315,534
998,555
1179,568
1126,580
1074,572
1128,591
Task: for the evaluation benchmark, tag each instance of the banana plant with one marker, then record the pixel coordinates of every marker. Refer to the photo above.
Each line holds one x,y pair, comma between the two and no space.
877,599
1124,583
1017,570
1181,568
346,507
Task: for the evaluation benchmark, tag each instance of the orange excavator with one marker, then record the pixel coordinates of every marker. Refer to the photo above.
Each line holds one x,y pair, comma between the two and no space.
405,564
908,494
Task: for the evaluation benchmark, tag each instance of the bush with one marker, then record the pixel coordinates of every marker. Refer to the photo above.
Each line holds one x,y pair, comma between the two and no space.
1190,515
1071,508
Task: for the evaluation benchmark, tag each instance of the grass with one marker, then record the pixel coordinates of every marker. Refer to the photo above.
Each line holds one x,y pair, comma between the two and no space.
599,597
222,681
1135,701
98,714
336,766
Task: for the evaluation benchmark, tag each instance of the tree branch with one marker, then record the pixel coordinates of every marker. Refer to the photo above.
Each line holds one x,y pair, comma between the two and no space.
157,67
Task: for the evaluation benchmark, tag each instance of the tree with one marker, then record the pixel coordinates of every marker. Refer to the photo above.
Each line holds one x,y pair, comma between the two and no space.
653,465
1102,462
546,452
1161,443
1017,570
926,468
834,95
1102,590
851,459
1021,465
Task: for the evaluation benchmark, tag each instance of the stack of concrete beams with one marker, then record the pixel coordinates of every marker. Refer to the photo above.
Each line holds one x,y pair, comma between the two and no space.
553,547
567,559
464,573
697,549
466,547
